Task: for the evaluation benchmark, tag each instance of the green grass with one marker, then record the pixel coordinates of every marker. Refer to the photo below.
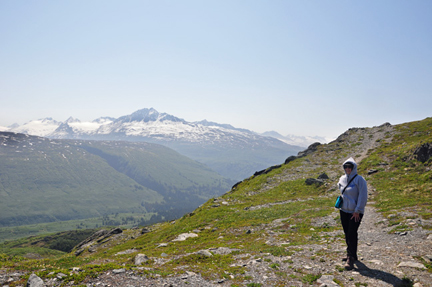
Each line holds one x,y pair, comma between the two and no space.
124,220
250,212
406,182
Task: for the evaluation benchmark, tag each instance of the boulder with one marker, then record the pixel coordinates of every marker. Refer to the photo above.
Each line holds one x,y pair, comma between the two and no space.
222,250
327,280
140,259
323,176
35,281
119,271
79,251
60,276
129,251
424,152
311,181
184,236
411,264
205,253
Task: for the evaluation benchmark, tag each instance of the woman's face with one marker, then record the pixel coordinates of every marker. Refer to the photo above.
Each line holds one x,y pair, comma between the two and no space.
348,170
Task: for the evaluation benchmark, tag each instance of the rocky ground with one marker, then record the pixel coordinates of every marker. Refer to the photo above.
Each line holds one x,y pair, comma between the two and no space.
385,258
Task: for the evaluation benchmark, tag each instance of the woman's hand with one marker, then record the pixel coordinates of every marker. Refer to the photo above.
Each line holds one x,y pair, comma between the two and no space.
356,217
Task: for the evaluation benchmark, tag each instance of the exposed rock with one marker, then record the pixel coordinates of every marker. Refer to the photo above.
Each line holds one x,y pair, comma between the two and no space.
184,236
311,181
411,264
98,237
145,230
92,249
372,171
235,185
222,250
424,152
205,253
290,158
60,276
376,261
380,252
387,124
93,237
129,251
428,258
311,149
267,170
35,281
323,176
140,259
115,231
119,271
79,251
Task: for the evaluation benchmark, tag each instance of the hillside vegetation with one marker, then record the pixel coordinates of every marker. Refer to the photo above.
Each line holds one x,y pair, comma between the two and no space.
43,180
274,229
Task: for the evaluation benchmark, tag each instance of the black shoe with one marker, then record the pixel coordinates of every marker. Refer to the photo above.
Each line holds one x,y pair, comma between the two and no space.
346,258
349,265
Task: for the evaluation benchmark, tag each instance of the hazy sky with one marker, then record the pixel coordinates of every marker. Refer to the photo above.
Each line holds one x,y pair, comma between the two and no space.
296,67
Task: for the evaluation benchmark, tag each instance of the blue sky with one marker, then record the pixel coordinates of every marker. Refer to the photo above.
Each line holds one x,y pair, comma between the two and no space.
296,67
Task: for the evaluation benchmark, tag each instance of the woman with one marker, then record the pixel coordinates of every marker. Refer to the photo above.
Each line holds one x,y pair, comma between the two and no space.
353,207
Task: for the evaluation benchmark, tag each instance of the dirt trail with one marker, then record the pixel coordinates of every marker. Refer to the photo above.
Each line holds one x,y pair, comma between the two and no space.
381,252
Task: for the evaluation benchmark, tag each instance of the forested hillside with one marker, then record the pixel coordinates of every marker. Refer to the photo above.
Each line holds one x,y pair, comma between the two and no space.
44,180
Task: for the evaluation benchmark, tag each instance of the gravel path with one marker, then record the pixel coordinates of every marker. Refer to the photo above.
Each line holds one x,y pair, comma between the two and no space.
384,260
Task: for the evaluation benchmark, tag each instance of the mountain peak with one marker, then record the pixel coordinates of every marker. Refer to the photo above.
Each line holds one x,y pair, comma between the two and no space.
148,115
143,115
72,120
273,134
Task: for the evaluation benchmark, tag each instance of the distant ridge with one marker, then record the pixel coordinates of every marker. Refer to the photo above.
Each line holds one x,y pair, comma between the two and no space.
46,180
232,152
303,141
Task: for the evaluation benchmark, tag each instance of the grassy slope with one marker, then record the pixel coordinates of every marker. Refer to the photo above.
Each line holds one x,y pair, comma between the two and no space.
60,182
281,195
43,180
403,183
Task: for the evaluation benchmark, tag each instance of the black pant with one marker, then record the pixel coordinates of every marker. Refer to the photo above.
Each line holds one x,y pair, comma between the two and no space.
350,228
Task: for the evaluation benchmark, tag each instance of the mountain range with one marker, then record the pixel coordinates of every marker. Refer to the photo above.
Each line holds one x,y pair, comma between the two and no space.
276,228
303,141
232,152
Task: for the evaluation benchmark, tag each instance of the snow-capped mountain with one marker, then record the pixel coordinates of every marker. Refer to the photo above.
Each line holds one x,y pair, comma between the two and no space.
42,127
4,129
234,153
145,123
303,141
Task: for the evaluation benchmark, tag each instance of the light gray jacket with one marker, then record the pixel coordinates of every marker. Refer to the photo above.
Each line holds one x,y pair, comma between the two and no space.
355,195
